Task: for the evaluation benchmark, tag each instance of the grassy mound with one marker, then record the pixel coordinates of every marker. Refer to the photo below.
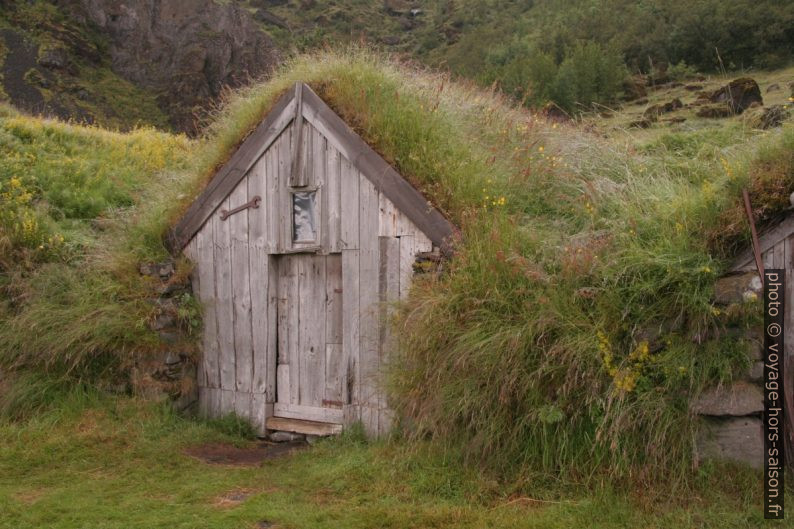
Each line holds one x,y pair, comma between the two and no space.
79,208
566,335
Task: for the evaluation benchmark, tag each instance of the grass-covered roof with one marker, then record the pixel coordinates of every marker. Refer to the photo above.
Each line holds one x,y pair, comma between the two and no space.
567,333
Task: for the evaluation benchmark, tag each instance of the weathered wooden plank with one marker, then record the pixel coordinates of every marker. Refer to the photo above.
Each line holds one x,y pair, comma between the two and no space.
389,293
288,318
192,253
385,179
308,413
311,335
368,303
319,180
407,258
260,411
349,201
272,196
304,427
226,402
272,337
228,176
282,383
285,197
779,254
259,277
223,296
242,404
351,340
333,193
206,269
388,217
297,176
241,292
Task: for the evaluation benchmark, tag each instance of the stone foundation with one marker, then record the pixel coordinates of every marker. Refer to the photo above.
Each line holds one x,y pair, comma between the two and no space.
170,374
730,416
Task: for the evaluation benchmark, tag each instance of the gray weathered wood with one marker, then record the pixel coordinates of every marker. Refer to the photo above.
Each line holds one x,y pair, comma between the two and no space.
226,402
304,427
407,259
241,293
242,404
259,277
285,197
230,174
368,304
260,411
351,338
312,329
297,175
389,293
333,192
350,207
308,413
223,295
766,241
333,298
206,270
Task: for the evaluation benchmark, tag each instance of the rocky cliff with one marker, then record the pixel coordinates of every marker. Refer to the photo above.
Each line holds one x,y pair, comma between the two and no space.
103,60
186,51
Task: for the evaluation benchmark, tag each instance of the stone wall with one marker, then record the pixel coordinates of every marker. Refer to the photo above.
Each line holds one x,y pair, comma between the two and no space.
730,415
168,374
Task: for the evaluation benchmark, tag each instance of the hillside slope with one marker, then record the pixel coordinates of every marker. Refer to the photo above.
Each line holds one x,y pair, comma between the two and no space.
572,245
141,62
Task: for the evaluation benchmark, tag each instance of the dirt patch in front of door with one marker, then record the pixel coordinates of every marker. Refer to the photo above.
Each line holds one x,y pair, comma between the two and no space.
251,456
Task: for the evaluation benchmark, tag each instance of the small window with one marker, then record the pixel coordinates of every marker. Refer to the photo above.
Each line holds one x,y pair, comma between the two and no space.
303,217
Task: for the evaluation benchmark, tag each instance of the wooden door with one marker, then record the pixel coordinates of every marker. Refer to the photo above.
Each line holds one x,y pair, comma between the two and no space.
311,373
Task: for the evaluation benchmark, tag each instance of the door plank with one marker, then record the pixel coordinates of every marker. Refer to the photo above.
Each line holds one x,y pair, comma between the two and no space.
259,278
368,303
311,334
351,340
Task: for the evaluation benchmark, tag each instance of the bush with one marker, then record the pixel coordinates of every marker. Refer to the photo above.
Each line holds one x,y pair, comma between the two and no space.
587,74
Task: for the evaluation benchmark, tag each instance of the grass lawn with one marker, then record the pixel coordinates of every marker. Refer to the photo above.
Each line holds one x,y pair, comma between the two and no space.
101,462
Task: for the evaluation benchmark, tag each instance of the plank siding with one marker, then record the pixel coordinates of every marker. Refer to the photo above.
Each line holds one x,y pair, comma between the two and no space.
303,331
368,304
351,337
311,333
259,277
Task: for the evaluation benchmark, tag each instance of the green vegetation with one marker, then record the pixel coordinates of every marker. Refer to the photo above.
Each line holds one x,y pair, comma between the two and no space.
560,345
580,260
70,237
573,53
94,461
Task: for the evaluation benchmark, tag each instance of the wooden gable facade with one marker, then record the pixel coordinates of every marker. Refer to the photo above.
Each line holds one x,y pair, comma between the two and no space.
300,242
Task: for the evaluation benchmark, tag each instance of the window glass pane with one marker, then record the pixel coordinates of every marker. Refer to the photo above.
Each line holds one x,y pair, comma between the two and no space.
303,220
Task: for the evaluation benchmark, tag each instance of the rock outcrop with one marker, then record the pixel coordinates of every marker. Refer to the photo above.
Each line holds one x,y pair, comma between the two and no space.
186,51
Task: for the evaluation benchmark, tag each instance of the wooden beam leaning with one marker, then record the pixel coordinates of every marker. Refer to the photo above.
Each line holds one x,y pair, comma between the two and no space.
230,174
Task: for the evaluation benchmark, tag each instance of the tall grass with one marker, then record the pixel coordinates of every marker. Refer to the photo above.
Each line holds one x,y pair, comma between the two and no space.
574,322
